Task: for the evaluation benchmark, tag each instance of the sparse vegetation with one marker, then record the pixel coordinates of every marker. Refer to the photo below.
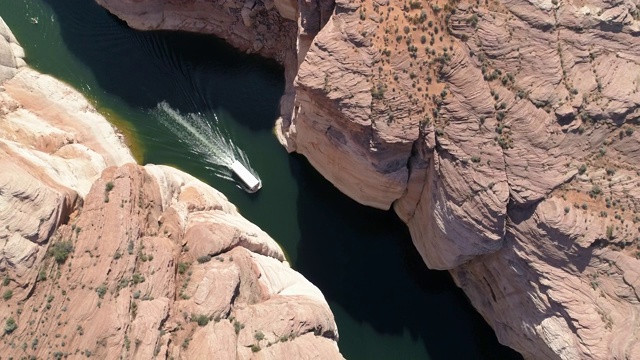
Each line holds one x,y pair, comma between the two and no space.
610,232
60,251
602,151
10,325
237,326
137,279
101,290
182,267
108,187
582,169
201,320
127,342
378,91
134,309
203,259
7,295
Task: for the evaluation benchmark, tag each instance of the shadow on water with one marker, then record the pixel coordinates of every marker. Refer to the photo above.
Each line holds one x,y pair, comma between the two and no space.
190,65
363,259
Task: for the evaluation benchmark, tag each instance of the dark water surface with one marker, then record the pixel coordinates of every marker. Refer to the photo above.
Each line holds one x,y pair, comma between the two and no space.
387,305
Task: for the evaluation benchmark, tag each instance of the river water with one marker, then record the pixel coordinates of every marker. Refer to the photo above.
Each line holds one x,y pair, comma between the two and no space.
386,303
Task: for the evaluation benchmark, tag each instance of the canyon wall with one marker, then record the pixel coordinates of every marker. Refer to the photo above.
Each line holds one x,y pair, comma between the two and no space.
503,133
103,257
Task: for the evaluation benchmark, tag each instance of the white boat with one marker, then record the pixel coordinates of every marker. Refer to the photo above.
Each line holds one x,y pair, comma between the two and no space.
252,184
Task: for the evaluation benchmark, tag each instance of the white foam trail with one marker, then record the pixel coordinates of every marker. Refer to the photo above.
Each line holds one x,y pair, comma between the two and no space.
207,139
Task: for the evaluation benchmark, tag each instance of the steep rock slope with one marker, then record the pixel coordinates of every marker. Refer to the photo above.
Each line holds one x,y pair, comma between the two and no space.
53,144
108,259
158,264
482,147
505,135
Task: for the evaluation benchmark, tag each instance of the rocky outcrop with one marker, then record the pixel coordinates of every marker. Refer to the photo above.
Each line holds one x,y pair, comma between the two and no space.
505,135
53,144
251,25
517,174
158,264
103,257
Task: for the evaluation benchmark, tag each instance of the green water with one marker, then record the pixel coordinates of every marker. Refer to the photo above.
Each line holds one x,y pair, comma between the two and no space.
387,305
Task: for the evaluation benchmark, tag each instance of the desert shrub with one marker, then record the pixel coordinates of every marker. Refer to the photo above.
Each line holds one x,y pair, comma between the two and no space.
101,290
182,267
60,251
10,325
237,326
137,278
582,169
610,232
201,320
108,186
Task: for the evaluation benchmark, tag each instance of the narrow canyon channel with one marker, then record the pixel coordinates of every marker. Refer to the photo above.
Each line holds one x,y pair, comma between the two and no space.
386,303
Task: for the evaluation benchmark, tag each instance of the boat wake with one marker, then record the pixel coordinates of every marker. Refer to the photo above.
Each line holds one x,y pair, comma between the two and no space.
206,138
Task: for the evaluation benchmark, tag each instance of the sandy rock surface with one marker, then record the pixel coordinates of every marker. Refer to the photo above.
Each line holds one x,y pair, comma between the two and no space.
53,145
135,285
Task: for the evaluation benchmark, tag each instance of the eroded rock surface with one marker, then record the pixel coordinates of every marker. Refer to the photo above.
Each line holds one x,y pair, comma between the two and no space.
53,145
161,265
505,135
102,257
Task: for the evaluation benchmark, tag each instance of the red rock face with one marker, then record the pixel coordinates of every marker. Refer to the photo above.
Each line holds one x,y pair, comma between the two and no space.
136,283
496,190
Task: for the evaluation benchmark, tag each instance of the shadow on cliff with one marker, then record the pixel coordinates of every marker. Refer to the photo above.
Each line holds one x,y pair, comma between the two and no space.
363,260
193,72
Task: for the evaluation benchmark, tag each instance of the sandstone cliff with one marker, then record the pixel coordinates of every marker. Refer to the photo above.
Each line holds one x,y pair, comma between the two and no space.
503,133
102,257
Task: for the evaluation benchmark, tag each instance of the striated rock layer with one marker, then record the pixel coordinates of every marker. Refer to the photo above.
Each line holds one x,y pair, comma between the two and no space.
504,133
102,257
